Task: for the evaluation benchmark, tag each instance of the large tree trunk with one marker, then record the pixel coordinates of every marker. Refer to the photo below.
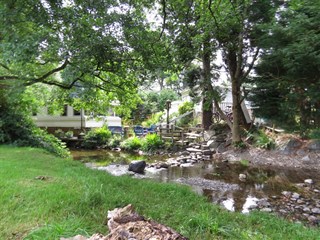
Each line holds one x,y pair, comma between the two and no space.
234,67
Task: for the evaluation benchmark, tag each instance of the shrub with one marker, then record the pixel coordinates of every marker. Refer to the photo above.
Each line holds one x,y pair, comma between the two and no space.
262,140
42,139
59,133
151,142
69,134
97,137
154,119
132,143
114,141
184,108
19,129
314,134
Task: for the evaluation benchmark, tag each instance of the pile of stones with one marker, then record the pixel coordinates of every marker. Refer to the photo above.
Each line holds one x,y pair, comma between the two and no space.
194,153
300,206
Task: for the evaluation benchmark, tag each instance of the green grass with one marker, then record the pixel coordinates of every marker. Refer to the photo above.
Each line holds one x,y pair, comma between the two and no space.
74,200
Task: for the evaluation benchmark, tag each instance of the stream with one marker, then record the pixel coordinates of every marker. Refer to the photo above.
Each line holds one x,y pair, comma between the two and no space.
291,192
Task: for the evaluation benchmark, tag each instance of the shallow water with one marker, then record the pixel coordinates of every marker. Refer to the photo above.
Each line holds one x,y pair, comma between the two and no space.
219,182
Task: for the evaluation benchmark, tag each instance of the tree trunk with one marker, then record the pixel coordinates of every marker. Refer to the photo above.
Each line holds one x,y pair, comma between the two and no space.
207,105
236,107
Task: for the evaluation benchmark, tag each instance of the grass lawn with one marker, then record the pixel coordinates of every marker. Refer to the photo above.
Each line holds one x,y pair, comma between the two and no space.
73,199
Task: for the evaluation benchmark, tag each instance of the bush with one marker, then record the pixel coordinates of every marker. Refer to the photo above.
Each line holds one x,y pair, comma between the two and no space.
154,119
97,137
151,142
314,134
114,141
131,144
69,134
19,129
185,107
59,133
42,139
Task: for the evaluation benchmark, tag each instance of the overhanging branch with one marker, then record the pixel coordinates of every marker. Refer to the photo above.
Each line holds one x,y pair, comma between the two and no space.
62,85
48,74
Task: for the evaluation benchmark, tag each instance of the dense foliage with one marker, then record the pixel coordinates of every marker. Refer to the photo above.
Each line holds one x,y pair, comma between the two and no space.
288,83
153,102
18,128
97,137
131,143
151,142
100,52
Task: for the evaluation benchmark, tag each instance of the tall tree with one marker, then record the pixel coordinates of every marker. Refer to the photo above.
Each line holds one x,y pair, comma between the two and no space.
188,25
288,82
239,26
200,28
78,45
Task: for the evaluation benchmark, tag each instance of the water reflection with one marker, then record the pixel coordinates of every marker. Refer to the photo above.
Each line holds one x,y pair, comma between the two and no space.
229,204
219,182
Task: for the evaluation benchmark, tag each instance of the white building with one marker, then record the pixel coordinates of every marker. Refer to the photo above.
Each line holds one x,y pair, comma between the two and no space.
73,120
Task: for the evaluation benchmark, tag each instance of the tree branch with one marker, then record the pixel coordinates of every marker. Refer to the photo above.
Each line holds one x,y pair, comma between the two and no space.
212,13
48,74
251,64
164,17
108,82
3,78
4,66
62,85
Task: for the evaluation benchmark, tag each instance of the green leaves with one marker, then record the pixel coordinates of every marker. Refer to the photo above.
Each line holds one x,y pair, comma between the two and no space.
289,68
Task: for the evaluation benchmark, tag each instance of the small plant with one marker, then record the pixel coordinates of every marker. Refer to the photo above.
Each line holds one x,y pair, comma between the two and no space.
59,133
131,144
151,142
69,134
240,145
262,140
244,162
114,141
97,137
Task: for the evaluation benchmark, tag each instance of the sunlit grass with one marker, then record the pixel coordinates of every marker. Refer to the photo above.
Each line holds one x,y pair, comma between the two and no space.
44,197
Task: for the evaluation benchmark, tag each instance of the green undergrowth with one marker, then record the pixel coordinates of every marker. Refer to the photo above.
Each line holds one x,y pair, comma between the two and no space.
46,197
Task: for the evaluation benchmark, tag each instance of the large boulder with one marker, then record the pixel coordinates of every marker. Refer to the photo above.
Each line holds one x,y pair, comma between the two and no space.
137,166
292,146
